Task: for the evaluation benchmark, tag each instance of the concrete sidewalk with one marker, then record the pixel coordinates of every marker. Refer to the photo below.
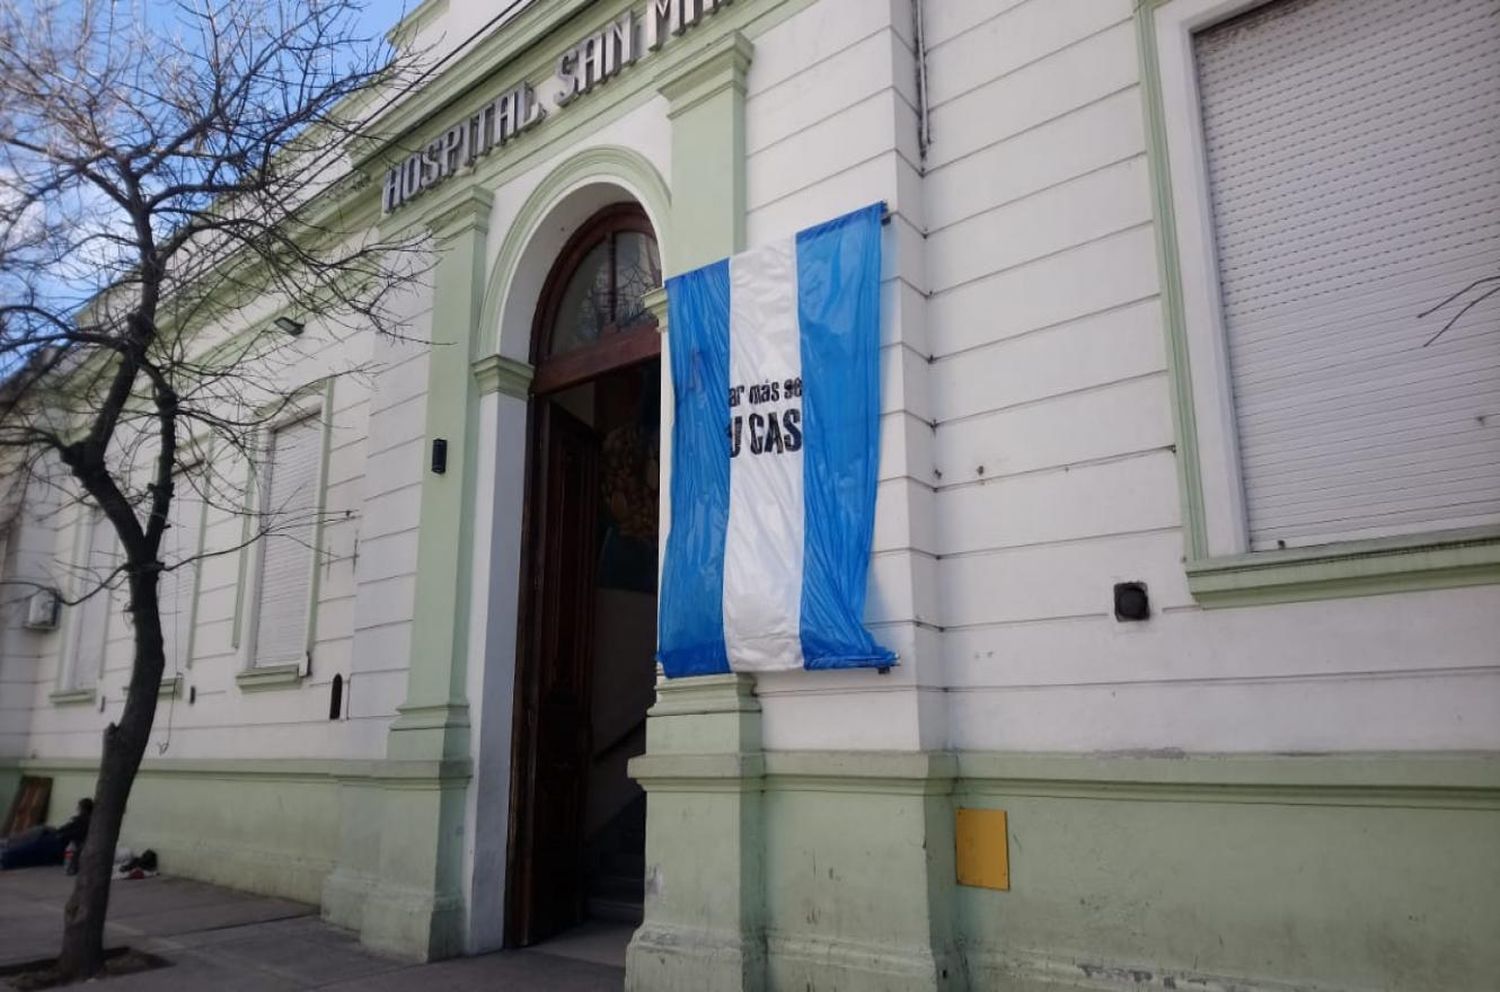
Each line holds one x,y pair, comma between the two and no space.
224,940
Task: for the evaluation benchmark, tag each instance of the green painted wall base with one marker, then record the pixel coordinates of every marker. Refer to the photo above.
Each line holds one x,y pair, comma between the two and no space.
703,927
347,888
830,870
1320,872
260,826
362,838
396,881
416,907
669,957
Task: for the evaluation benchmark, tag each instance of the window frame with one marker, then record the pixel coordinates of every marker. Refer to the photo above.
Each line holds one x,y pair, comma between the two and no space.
1221,569
313,401
638,343
196,461
67,689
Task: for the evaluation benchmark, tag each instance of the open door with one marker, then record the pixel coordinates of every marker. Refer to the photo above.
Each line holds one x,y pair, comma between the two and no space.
552,742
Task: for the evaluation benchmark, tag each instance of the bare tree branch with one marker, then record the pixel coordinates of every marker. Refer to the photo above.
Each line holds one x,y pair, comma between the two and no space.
159,186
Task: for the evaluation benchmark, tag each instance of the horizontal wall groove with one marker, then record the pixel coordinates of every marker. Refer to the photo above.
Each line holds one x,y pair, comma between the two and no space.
92,733
933,168
1066,249
905,552
1081,39
413,441
754,95
893,151
1059,542
1022,404
750,156
1357,675
911,622
1042,328
1057,469
907,477
383,625
908,346
1051,187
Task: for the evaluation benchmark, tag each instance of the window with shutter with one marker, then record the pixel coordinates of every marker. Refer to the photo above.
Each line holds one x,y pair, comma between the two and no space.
1352,154
1326,183
91,617
289,507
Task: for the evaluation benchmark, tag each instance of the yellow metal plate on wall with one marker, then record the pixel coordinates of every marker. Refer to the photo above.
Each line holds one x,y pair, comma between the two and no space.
983,848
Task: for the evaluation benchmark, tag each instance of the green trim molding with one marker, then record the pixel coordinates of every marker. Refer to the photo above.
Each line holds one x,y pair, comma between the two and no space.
400,863
715,69
1258,872
709,188
1433,560
269,826
1358,568
72,697
527,50
263,677
1251,872
1159,172
406,30
1404,779
615,164
498,374
656,302
832,869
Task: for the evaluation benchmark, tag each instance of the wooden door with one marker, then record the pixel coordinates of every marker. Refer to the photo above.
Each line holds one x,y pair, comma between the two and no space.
552,744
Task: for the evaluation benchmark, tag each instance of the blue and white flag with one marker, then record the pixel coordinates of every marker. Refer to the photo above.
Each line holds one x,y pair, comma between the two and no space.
776,371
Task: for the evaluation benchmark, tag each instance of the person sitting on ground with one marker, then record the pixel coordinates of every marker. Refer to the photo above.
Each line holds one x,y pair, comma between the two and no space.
45,845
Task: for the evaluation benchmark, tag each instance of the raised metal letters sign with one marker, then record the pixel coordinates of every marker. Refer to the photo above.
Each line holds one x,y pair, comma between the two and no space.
582,67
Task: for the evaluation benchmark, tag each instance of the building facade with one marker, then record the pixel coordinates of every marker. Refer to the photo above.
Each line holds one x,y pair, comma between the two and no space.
1188,546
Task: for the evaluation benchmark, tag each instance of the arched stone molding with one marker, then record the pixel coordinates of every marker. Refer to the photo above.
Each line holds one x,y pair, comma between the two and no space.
564,199
589,180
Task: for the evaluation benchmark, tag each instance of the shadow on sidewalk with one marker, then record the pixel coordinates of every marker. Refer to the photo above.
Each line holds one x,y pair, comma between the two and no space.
221,939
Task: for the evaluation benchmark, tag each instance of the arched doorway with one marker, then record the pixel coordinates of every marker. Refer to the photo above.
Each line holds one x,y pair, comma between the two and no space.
587,639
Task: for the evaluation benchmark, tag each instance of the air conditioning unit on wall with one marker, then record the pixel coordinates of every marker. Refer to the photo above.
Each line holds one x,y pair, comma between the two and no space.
41,610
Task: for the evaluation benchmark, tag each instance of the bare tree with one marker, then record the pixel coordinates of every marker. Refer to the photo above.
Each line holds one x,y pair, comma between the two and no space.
1487,286
166,173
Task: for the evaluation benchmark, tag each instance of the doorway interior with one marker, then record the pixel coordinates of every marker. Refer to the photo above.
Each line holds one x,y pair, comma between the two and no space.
586,671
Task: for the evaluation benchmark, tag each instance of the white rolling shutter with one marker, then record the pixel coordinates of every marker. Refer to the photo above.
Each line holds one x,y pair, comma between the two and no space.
179,546
1353,153
285,582
92,615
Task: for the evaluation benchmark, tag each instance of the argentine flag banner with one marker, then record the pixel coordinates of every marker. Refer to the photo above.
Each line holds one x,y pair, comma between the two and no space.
776,375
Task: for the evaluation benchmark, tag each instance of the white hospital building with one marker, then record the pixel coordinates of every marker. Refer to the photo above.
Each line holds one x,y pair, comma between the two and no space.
1187,542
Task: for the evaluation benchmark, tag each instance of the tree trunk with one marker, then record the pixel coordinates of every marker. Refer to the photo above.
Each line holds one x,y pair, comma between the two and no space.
124,745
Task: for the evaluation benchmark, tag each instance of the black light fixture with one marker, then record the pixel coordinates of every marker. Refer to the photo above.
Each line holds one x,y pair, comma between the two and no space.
1131,601
439,455
292,327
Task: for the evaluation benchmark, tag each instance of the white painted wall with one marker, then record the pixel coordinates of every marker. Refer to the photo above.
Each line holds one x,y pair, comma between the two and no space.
1027,451
364,597
1055,446
30,540
830,127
